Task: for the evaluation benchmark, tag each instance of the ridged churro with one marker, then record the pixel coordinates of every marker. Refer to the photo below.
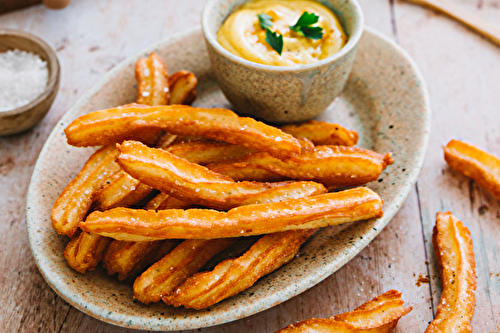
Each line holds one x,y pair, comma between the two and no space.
85,251
380,315
192,182
117,124
454,253
475,163
152,81
322,133
232,276
74,202
130,258
182,87
333,166
173,269
304,213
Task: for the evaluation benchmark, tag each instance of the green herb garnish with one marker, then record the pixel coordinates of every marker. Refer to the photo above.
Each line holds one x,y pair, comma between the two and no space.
265,21
304,26
275,40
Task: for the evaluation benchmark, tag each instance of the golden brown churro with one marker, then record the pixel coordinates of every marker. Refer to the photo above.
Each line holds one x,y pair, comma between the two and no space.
85,251
192,182
305,213
173,269
117,124
74,202
123,191
235,275
333,166
380,315
322,133
457,267
129,258
152,81
475,163
183,87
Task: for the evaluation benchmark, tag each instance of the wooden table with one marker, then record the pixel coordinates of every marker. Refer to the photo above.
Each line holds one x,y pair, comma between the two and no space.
462,71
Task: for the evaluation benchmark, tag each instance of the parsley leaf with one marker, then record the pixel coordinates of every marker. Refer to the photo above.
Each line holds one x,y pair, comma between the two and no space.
275,40
265,21
304,26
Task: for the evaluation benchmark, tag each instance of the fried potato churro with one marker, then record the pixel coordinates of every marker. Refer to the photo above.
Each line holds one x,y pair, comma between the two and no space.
173,269
457,267
475,163
182,87
304,213
322,133
188,181
129,258
74,202
85,251
152,81
380,315
333,166
232,276
117,124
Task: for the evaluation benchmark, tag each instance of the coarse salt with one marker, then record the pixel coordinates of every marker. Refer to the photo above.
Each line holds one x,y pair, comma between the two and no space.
23,77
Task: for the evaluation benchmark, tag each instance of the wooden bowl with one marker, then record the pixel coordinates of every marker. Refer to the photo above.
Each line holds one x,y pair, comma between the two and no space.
23,118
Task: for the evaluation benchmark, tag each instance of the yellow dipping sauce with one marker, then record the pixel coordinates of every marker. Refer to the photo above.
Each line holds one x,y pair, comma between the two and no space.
242,35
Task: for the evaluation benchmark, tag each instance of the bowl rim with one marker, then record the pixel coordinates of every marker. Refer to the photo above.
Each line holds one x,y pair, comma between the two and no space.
54,70
210,38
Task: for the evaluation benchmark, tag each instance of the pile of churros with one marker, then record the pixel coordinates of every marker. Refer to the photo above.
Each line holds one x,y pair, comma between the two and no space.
173,186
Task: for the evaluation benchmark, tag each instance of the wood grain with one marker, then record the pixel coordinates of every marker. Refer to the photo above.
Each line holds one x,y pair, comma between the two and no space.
462,71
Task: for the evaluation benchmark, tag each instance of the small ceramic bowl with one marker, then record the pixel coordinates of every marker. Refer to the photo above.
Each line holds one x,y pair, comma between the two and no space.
281,94
23,118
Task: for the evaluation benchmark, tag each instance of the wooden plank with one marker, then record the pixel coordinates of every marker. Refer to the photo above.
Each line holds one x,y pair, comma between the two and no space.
462,70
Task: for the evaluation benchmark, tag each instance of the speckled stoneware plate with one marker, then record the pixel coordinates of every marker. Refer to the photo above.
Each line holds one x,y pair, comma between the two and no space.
385,100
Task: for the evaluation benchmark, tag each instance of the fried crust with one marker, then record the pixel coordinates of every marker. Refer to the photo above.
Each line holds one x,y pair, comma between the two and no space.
235,275
475,163
75,200
183,87
454,253
152,81
304,213
129,258
192,182
333,166
322,133
380,315
85,251
173,269
117,124
207,151
123,191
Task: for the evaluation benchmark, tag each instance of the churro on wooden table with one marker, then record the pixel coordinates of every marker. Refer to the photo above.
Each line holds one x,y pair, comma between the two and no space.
475,163
379,315
454,252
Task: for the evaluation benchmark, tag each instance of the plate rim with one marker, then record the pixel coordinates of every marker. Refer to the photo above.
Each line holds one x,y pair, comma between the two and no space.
300,287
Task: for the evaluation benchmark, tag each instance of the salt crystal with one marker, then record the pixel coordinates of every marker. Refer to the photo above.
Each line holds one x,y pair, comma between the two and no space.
146,72
24,77
145,93
278,139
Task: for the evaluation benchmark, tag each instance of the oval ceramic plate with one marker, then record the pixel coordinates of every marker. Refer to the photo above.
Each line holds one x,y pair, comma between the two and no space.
385,100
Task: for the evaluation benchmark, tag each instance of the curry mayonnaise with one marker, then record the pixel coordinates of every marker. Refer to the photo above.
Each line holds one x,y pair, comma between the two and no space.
242,35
